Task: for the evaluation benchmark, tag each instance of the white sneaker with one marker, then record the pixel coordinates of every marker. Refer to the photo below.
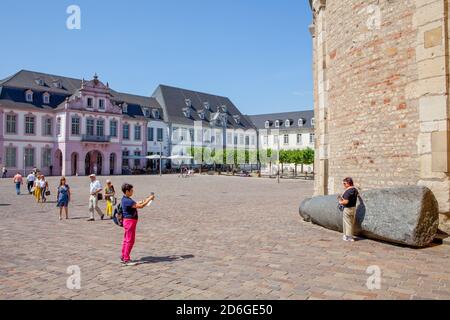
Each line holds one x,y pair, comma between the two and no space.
129,264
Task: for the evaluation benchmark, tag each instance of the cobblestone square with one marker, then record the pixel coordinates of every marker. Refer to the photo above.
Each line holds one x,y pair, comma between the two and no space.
205,237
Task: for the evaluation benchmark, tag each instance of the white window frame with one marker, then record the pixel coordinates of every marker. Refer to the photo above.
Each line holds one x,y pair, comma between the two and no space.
46,98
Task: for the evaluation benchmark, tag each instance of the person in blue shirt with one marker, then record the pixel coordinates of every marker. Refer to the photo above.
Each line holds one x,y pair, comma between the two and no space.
130,219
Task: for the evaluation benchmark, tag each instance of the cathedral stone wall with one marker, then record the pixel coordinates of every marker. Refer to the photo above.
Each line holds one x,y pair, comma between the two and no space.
381,94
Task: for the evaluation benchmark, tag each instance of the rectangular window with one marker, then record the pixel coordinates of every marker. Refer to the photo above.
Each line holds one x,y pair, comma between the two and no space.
75,126
218,138
137,133
90,103
191,135
48,124
126,132
286,139
11,126
235,139
29,125
150,134
160,135
125,160
175,133
253,140
299,138
90,127
29,157
137,162
113,128
58,126
101,104
46,157
100,128
11,155
247,140
311,138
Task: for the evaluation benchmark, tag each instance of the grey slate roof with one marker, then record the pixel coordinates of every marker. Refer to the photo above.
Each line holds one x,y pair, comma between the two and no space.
12,91
260,120
173,102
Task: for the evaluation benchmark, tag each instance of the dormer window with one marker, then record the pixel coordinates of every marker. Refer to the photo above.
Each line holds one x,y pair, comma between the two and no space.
46,98
147,113
312,122
206,105
57,84
288,123
90,102
202,115
267,124
301,122
29,96
277,124
237,119
224,108
187,112
125,108
188,102
156,114
101,104
40,82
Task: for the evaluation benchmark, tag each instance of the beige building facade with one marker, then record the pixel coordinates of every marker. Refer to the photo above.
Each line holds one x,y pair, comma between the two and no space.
381,73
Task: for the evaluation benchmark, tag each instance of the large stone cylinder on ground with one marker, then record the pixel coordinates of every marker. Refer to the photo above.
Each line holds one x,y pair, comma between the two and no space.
408,216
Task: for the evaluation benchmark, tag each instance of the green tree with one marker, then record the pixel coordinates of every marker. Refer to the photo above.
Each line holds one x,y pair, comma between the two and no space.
308,156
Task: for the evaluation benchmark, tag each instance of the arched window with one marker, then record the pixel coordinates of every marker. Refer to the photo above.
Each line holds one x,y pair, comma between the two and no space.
267,124
288,123
277,124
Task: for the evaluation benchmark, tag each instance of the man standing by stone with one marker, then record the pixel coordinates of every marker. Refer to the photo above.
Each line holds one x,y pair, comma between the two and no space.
95,190
348,201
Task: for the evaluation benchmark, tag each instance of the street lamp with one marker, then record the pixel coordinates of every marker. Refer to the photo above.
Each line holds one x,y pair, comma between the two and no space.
160,160
278,156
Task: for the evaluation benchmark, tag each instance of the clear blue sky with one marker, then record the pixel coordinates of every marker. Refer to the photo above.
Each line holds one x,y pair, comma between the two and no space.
257,52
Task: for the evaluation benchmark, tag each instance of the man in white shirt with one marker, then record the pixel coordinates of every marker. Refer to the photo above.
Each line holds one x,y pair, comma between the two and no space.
95,189
30,181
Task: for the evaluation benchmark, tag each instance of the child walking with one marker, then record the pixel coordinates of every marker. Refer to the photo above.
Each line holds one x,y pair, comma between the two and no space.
130,219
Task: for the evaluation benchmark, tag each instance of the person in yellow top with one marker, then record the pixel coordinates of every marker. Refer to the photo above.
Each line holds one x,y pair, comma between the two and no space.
110,198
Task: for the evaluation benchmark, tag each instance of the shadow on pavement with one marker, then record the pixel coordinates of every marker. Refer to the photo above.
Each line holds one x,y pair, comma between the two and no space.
149,260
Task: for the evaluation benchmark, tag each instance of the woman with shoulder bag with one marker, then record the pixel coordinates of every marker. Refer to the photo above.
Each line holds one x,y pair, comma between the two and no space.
45,192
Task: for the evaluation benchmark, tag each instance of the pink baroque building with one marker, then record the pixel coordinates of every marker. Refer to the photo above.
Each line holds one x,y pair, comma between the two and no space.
70,127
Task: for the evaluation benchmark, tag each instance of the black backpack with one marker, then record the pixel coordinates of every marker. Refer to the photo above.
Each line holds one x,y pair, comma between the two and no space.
118,215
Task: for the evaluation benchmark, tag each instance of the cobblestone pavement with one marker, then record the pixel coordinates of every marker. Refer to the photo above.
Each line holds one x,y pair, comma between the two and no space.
204,238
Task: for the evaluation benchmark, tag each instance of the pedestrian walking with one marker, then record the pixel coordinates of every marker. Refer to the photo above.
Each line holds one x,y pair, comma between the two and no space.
18,181
130,220
95,190
37,188
110,194
30,182
44,189
63,198
348,202
4,172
